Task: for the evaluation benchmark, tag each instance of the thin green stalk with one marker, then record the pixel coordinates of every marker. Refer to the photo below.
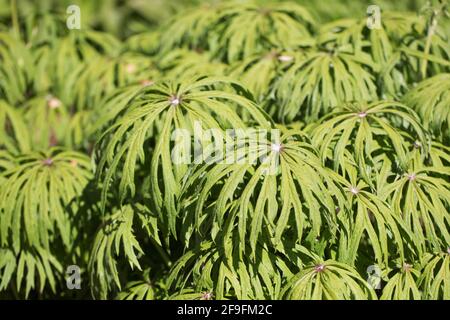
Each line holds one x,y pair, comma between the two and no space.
162,253
15,19
431,32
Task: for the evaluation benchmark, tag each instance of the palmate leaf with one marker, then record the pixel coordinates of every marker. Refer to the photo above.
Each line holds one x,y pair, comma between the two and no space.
431,100
251,28
355,32
167,106
186,64
146,14
94,89
440,154
236,30
116,18
112,105
35,195
416,58
53,123
421,197
6,162
223,273
363,129
16,68
115,235
381,42
328,280
38,26
436,59
402,284
137,290
59,62
399,24
90,81
262,200
47,118
191,28
71,74
146,42
435,154
151,285
324,79
76,136
33,268
434,41
435,278
259,71
14,136
329,10
368,226
7,266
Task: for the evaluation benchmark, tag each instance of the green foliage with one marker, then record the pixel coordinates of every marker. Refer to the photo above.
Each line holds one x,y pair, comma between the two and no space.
262,199
16,137
233,31
116,233
329,281
15,68
41,184
171,106
435,278
324,79
431,99
344,163
402,284
364,130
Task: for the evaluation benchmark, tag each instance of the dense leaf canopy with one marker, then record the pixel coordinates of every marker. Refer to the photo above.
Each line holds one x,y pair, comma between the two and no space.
253,149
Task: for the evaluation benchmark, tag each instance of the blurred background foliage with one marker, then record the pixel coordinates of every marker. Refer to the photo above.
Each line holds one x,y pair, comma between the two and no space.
126,17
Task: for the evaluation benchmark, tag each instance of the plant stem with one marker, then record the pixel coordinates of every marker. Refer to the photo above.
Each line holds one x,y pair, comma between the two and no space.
161,252
431,31
15,19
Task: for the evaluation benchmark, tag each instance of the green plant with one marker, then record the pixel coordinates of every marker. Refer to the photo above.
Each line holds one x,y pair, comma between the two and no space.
225,150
